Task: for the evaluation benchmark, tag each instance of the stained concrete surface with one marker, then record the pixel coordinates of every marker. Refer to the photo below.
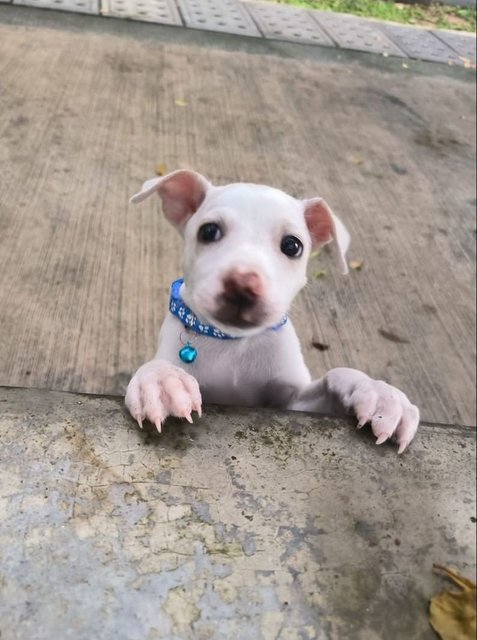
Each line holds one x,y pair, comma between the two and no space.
247,525
89,106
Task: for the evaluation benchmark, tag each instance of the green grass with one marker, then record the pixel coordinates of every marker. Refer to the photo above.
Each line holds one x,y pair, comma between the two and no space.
440,16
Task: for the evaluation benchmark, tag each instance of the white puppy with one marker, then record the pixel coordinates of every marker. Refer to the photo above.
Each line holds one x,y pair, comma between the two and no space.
227,339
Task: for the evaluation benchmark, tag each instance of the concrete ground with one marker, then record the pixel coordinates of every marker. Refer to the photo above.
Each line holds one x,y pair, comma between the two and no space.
109,532
248,525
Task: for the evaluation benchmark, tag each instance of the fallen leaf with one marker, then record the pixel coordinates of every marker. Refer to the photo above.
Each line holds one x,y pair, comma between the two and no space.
357,265
180,103
452,614
319,274
161,169
389,335
356,160
375,174
405,66
321,346
314,254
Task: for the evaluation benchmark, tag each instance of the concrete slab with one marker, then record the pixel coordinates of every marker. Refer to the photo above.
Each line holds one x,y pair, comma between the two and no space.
77,6
218,15
351,32
285,22
159,11
463,43
421,44
246,525
90,106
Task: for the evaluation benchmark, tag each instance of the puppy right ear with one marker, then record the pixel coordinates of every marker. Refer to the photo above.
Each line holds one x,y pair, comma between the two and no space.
181,193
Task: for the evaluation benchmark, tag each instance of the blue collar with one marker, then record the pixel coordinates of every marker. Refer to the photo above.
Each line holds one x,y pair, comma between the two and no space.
178,308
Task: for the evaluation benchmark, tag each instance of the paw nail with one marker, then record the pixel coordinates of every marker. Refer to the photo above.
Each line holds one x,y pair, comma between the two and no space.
402,446
188,417
139,421
382,438
158,426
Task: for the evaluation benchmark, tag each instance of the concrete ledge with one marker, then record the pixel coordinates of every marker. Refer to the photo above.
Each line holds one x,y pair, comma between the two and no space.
249,524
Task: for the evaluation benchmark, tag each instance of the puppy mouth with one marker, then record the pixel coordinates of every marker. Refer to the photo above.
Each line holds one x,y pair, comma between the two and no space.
239,311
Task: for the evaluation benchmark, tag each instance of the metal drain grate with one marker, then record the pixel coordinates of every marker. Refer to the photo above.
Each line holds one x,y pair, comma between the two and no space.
421,44
78,6
218,15
161,11
464,44
284,22
355,33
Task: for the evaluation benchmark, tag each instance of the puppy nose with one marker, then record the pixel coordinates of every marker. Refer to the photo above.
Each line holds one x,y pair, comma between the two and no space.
243,289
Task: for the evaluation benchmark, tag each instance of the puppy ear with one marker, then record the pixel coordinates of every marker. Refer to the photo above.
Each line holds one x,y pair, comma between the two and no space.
324,227
181,193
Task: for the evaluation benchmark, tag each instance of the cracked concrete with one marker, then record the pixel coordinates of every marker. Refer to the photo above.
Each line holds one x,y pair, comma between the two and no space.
245,525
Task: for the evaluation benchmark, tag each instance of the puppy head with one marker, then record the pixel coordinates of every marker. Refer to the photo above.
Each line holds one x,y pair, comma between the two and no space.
246,247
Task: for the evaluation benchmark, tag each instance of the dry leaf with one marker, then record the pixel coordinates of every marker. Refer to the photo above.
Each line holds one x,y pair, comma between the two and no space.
452,613
314,254
357,265
161,169
393,337
356,160
180,103
321,346
319,274
405,66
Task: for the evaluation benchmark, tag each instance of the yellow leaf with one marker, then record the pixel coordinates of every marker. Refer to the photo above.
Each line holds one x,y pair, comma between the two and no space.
180,103
357,265
356,159
314,254
452,613
160,169
319,274
405,66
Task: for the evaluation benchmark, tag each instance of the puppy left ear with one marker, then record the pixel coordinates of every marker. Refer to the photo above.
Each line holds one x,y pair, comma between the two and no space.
181,193
324,227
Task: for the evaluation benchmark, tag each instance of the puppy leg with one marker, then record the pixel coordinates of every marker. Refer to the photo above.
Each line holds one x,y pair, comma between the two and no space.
344,391
159,389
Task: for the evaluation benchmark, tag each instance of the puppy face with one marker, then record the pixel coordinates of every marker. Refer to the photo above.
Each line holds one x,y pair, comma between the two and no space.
245,256
246,247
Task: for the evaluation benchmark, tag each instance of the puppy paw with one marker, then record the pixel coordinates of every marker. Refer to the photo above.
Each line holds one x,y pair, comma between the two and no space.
159,389
388,409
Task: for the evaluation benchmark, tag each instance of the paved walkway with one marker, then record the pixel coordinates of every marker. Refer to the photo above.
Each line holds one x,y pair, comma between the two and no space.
89,106
285,22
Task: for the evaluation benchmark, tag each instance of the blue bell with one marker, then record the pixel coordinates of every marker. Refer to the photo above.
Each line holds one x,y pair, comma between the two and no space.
188,354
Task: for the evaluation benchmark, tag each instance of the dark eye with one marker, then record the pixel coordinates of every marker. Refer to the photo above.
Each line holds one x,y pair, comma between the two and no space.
291,246
209,232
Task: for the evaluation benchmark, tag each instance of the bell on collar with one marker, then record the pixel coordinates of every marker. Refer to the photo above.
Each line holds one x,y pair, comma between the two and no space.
188,353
